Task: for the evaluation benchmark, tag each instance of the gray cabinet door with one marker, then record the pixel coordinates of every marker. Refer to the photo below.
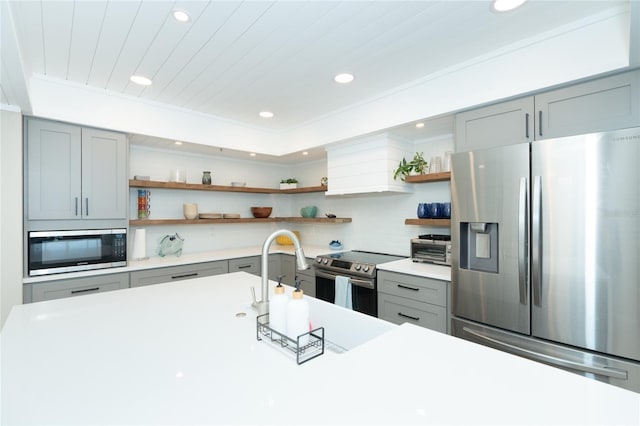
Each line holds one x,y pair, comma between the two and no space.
287,269
605,104
53,170
178,273
75,173
410,298
104,175
78,286
307,278
501,124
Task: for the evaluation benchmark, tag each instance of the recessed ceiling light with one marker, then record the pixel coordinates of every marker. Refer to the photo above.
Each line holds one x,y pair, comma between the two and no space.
506,5
138,79
343,78
178,143
266,114
253,154
420,125
181,15
305,153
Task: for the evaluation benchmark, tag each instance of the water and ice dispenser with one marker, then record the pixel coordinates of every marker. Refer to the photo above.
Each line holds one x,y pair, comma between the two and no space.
479,246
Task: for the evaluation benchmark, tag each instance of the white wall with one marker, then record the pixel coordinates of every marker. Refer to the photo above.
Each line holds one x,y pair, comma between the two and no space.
10,211
378,220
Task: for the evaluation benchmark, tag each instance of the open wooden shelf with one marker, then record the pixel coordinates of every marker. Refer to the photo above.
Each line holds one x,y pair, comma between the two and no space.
428,222
431,177
133,183
152,222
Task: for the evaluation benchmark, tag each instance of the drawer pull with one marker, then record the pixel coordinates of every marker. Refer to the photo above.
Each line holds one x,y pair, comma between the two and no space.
244,266
409,316
85,290
193,274
408,288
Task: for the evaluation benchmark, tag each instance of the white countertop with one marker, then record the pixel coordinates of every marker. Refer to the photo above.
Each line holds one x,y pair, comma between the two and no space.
176,353
427,270
184,259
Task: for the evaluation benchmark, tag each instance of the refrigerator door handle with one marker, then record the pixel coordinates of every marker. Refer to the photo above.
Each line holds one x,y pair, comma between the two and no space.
602,371
536,252
523,227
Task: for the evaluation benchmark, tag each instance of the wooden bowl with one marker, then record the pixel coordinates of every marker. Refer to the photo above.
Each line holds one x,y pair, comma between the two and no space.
261,212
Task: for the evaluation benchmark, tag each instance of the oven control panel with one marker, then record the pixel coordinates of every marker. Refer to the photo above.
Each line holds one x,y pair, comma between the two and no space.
345,267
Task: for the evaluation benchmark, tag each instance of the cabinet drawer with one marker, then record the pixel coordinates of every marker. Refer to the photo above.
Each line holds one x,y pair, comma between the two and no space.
399,310
245,264
412,287
78,286
178,273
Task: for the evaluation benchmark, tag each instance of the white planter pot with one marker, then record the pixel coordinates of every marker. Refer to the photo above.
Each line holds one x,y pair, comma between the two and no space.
288,185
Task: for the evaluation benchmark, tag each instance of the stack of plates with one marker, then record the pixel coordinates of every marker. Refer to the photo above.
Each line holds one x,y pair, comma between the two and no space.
231,216
210,215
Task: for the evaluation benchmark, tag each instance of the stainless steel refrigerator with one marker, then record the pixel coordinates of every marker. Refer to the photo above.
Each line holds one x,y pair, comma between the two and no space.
546,256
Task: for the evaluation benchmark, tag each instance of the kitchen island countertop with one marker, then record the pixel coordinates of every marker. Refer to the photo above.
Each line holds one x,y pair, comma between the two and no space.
176,353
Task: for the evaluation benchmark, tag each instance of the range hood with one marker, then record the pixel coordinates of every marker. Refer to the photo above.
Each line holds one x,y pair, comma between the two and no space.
366,165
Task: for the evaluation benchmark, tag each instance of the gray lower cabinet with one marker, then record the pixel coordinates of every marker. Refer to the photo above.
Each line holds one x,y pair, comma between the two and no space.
417,300
178,273
50,290
246,264
286,265
287,269
598,105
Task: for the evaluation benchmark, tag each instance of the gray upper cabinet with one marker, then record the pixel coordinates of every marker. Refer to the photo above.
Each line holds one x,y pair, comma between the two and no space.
605,104
74,172
599,105
505,123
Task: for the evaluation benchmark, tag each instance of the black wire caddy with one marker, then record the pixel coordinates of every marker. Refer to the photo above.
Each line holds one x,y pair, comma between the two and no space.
303,353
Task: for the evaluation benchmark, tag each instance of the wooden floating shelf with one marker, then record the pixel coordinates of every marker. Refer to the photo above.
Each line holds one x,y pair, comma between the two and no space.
431,177
133,183
428,222
152,222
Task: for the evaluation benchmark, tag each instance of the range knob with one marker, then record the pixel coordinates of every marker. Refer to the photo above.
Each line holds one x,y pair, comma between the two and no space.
325,261
318,259
366,268
357,267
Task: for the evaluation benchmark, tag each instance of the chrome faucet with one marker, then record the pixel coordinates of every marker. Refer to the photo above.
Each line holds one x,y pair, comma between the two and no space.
263,305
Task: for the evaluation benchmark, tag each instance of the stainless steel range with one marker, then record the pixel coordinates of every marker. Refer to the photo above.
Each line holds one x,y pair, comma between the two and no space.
360,268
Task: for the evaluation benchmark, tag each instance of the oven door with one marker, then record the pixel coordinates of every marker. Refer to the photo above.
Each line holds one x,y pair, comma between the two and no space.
363,291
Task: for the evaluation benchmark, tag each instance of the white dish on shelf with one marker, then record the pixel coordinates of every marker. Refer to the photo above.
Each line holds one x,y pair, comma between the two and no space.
238,184
231,215
210,215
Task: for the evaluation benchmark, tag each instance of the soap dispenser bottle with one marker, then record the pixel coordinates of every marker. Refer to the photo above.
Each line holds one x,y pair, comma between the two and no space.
278,309
298,316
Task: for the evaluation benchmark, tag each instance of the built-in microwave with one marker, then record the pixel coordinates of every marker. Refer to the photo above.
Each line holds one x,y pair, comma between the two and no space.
431,249
53,252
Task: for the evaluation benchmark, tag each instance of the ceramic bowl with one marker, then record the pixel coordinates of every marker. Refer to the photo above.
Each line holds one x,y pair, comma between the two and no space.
261,212
309,211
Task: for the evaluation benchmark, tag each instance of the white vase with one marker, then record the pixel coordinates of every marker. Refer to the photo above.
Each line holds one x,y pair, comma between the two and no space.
190,211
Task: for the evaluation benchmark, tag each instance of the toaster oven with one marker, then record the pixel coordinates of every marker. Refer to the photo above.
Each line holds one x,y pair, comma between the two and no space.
431,249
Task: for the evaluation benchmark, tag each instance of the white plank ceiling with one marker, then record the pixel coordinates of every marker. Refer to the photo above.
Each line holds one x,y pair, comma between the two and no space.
234,59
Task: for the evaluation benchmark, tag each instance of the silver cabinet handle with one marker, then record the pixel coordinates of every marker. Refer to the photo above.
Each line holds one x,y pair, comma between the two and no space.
408,288
536,240
243,266
540,122
523,242
602,371
76,206
526,125
86,205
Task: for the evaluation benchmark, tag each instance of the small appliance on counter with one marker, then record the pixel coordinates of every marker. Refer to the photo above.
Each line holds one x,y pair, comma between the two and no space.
431,248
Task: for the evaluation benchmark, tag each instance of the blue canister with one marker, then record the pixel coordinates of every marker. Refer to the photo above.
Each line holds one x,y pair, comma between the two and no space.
423,210
446,210
435,210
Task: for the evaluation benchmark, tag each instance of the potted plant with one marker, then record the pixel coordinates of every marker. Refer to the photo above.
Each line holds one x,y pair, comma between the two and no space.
289,183
417,166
